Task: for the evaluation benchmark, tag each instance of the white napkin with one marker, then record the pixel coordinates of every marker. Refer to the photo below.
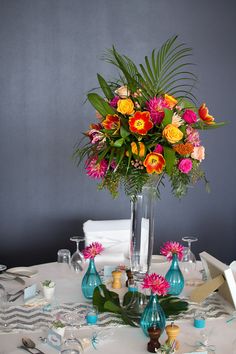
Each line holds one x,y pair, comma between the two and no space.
114,235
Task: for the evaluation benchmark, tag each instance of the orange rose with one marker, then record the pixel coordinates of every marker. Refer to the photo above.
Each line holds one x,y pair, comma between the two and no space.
154,163
138,151
170,100
204,115
125,106
172,133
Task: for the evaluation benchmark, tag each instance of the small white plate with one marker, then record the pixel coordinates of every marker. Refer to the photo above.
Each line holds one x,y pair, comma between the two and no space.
158,259
23,271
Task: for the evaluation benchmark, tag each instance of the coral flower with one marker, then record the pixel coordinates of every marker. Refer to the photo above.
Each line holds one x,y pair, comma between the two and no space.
204,115
184,149
156,283
170,101
154,163
198,153
111,122
156,107
96,169
91,251
171,247
140,123
138,148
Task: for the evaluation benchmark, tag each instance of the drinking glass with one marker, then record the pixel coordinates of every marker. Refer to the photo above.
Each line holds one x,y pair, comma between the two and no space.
63,256
77,259
189,263
71,343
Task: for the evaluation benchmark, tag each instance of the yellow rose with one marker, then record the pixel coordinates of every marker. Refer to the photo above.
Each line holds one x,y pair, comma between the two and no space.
172,134
134,148
125,106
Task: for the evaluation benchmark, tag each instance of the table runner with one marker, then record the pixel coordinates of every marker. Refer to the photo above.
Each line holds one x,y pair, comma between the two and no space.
26,318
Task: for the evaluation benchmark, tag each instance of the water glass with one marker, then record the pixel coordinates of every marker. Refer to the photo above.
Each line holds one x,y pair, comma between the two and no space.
63,256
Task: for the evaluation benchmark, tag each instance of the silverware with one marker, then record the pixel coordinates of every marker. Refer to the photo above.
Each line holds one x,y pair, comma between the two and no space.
17,296
29,344
18,274
29,351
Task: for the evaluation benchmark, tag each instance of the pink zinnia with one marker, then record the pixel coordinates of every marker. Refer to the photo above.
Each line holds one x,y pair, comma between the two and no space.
156,283
156,107
113,102
91,251
193,136
96,169
159,149
185,165
171,247
189,116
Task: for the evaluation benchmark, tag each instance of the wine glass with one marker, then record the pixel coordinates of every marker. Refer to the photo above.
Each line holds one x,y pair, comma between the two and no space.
77,259
71,343
189,262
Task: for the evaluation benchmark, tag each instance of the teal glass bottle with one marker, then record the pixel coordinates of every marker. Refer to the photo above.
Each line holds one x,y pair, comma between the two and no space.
153,315
175,277
90,280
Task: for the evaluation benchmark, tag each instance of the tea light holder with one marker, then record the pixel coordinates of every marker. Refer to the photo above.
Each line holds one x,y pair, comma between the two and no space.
199,320
92,315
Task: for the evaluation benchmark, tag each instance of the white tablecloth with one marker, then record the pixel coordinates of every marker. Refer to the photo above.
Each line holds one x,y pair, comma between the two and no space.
125,339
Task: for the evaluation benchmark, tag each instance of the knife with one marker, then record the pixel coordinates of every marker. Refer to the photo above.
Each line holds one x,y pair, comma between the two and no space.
18,274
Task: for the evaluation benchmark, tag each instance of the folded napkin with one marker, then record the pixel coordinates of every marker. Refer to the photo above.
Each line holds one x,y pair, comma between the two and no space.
114,236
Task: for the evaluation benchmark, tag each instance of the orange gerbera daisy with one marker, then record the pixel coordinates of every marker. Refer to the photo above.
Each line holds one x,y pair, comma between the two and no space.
140,123
184,149
111,122
154,163
204,115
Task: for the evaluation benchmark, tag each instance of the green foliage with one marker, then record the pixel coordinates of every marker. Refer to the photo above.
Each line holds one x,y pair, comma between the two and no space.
100,104
108,301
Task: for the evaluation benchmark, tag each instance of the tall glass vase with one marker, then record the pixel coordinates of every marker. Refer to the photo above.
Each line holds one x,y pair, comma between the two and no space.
90,280
142,229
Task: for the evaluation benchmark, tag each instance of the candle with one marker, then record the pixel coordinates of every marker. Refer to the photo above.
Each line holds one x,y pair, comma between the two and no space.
92,315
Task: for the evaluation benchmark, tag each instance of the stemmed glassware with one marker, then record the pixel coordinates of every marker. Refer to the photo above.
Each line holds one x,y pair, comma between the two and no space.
189,262
71,343
77,259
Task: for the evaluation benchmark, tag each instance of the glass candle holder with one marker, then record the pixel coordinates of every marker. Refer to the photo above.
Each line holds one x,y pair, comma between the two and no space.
92,315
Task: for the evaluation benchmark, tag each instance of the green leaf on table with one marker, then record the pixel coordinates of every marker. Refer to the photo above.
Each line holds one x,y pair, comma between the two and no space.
172,305
101,295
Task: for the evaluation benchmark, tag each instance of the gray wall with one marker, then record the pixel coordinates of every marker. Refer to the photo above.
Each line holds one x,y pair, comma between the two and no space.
49,57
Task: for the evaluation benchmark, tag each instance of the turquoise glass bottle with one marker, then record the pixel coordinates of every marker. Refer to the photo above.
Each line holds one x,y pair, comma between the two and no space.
90,280
153,315
175,277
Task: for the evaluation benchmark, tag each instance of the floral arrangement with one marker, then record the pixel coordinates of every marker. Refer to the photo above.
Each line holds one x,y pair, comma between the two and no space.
156,283
171,247
147,123
91,251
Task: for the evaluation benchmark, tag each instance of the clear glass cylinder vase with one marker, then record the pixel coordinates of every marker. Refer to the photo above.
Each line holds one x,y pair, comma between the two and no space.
142,231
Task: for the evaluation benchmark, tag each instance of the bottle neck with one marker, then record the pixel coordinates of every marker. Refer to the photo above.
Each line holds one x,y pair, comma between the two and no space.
175,263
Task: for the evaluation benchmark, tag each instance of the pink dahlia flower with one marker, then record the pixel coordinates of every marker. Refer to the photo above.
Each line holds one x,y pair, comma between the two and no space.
113,102
193,136
159,149
171,247
156,107
96,169
91,251
189,116
185,165
156,283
